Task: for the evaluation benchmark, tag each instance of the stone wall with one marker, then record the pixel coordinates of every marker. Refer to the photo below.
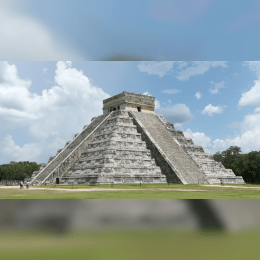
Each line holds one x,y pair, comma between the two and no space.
129,101
9,183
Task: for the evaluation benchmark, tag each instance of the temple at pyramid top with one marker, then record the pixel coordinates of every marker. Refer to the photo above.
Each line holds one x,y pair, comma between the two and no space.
128,101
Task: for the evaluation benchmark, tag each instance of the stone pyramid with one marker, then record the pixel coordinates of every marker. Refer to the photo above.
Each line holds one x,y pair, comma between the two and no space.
129,143
116,154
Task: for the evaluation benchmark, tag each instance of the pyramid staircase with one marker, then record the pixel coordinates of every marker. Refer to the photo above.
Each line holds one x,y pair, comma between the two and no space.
167,150
214,171
66,157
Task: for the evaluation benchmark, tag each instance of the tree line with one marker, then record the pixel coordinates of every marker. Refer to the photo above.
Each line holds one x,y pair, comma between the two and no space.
245,165
18,171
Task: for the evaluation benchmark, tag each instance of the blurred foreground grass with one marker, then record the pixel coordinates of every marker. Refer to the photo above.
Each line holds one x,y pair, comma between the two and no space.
130,244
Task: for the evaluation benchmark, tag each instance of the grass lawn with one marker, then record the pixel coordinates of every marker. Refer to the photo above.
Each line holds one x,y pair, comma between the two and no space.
154,244
134,191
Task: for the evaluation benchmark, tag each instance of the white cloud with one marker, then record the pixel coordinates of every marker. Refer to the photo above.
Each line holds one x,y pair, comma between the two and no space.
234,125
251,97
74,95
199,139
217,86
9,75
157,104
23,37
176,114
183,69
251,122
16,102
156,68
28,152
171,91
210,110
54,116
254,66
199,68
214,91
198,95
45,70
248,139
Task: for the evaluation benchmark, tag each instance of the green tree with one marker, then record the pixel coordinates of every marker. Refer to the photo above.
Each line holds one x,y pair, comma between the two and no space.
6,172
245,165
18,171
228,157
251,169
218,157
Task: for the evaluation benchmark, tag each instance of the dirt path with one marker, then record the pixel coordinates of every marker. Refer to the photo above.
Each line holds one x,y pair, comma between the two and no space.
113,189
236,187
97,189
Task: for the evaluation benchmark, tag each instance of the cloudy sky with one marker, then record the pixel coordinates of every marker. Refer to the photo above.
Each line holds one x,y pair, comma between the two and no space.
191,55
43,104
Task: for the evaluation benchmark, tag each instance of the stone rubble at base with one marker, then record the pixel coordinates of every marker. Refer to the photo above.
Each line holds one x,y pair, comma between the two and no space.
129,143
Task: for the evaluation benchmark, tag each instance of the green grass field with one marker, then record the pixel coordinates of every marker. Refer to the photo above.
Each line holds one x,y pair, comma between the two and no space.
134,191
154,244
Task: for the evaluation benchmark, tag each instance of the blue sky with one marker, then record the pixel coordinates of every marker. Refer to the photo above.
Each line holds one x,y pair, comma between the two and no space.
43,104
131,30
200,77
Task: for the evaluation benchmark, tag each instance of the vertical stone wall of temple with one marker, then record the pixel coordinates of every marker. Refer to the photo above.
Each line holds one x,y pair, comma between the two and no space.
128,101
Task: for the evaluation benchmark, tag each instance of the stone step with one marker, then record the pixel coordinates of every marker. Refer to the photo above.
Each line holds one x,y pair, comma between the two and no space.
118,169
192,148
200,155
117,136
108,179
51,158
58,163
108,162
176,133
183,140
116,152
111,145
205,162
121,153
119,129
178,158
58,151
120,120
